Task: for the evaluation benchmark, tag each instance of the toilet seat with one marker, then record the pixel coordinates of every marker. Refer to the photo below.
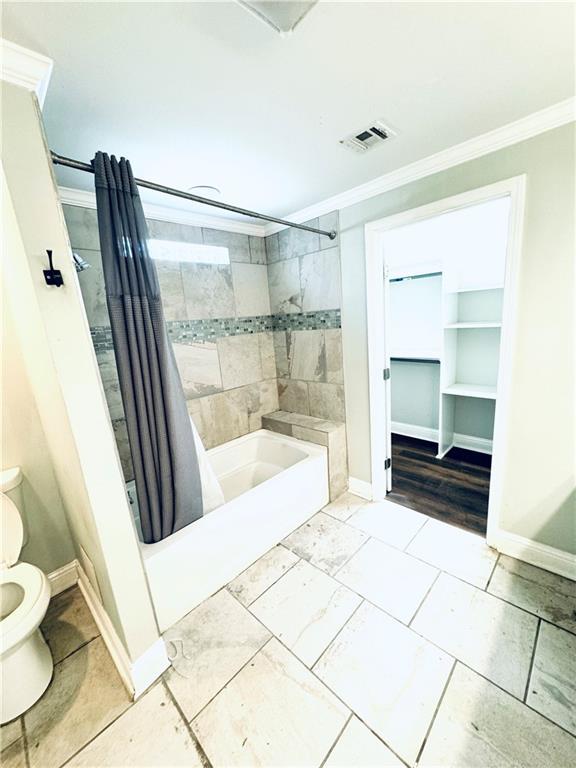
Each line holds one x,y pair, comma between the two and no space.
26,618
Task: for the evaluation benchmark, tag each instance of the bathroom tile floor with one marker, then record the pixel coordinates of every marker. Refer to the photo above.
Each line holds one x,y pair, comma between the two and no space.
368,637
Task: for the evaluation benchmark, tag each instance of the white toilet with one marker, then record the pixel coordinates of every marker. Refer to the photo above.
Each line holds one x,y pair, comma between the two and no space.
25,659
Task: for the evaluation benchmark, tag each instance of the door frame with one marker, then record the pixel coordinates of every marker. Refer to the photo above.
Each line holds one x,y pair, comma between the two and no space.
379,388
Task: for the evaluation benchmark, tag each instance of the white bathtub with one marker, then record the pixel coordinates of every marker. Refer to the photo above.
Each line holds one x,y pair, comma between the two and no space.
272,484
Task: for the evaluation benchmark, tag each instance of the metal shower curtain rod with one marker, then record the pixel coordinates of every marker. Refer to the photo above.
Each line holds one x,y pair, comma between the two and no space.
80,166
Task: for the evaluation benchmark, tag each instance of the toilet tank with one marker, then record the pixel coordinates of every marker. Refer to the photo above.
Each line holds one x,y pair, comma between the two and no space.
11,485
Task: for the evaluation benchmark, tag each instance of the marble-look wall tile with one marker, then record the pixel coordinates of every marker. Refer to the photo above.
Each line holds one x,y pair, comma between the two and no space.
320,280
202,415
281,354
334,363
230,414
257,250
109,375
238,245
240,361
82,224
123,446
267,355
331,223
208,291
199,368
284,286
250,282
337,462
272,248
293,396
92,288
171,289
296,242
326,401
169,230
261,398
307,355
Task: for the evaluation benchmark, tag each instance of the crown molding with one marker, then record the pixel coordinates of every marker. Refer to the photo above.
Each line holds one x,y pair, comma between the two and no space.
84,199
539,122
25,68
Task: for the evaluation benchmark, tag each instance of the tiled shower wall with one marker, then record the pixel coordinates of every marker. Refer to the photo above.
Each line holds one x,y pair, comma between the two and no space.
246,340
304,283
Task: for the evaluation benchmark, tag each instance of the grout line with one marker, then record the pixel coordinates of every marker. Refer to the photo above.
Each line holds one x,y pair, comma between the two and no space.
492,572
227,683
433,720
532,657
107,726
409,625
274,582
25,742
337,739
83,645
424,524
342,628
204,759
368,537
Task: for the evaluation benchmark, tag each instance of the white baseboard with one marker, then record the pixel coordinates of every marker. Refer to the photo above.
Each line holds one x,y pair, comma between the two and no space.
63,578
360,488
479,444
136,675
540,555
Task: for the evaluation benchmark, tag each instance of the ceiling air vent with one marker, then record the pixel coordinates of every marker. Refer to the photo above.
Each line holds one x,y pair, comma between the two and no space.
376,133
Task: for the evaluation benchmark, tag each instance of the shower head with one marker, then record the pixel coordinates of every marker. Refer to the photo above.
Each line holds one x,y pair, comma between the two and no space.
80,263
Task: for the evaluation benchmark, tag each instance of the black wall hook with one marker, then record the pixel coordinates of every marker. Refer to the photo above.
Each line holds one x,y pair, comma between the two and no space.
53,276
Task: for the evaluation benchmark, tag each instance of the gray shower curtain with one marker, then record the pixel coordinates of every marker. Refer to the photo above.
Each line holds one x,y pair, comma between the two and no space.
166,470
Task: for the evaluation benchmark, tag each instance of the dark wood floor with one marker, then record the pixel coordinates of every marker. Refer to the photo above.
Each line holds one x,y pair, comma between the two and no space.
453,489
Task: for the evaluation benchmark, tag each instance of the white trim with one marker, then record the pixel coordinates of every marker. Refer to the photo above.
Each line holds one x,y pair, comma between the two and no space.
470,442
25,68
416,431
540,555
137,675
63,578
538,122
360,488
85,199
374,259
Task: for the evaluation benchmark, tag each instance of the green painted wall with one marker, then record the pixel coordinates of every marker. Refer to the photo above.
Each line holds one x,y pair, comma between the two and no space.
539,495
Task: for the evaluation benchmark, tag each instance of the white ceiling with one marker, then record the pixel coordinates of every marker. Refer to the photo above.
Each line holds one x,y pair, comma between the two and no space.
204,93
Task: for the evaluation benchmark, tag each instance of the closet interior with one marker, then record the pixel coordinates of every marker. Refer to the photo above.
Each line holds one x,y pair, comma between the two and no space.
445,289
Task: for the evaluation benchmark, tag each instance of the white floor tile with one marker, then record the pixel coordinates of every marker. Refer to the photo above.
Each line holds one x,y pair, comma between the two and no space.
388,676
357,747
68,624
10,732
85,695
150,733
491,636
547,595
392,580
552,688
389,522
262,574
455,551
274,713
344,506
305,609
480,726
325,542
207,647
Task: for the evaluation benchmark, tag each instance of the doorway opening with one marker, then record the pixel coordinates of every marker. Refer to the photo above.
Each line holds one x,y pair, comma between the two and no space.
441,284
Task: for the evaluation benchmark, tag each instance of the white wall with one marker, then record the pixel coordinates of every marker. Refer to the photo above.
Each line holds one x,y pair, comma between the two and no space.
61,368
48,542
539,490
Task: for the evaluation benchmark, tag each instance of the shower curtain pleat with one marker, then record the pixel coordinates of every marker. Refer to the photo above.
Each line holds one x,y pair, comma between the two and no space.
164,456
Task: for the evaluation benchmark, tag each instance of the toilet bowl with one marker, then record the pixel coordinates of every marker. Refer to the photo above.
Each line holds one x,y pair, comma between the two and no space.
25,659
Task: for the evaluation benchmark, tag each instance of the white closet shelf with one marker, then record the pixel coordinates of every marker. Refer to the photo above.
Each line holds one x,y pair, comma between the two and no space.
477,288
471,390
473,325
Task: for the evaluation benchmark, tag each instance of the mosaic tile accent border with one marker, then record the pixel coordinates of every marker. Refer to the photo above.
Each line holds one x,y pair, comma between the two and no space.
198,331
